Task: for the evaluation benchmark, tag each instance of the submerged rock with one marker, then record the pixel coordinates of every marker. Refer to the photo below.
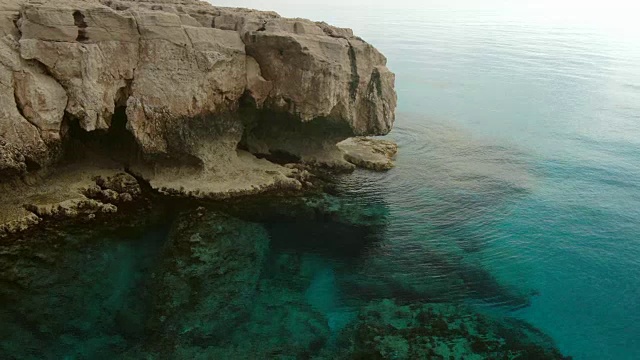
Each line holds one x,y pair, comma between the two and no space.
420,273
73,291
282,325
312,207
206,279
368,153
210,286
387,330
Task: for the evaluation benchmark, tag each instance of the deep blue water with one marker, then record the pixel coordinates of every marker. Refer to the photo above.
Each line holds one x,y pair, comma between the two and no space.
516,192
519,129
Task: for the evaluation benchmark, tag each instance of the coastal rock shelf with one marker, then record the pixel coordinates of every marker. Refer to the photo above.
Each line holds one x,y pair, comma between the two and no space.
193,98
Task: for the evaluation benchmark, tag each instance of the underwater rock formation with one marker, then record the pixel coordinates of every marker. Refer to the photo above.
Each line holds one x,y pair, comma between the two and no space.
281,325
387,330
65,283
207,285
206,278
318,207
430,275
188,87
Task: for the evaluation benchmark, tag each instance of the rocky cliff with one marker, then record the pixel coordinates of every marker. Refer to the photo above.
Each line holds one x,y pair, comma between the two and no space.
186,94
177,69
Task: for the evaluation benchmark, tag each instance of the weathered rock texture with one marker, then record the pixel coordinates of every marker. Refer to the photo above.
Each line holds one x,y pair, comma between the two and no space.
180,68
207,277
179,86
389,330
76,191
368,153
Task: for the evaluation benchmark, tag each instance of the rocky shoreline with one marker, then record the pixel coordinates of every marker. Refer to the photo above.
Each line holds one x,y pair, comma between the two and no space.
81,190
192,99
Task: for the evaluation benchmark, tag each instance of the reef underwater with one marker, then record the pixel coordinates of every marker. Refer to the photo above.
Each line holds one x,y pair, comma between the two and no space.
178,181
283,277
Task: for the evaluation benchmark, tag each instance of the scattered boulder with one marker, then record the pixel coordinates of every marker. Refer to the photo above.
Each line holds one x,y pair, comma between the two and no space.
369,153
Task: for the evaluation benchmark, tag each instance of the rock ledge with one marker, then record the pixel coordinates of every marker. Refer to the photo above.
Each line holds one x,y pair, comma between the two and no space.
368,153
191,97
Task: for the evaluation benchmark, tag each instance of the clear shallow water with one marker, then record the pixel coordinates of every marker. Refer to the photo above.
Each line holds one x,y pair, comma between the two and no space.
516,192
519,127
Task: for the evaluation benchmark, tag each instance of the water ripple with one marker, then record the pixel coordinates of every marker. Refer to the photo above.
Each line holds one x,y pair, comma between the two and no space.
446,196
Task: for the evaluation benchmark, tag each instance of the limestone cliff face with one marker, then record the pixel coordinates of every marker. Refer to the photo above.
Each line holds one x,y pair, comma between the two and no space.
194,81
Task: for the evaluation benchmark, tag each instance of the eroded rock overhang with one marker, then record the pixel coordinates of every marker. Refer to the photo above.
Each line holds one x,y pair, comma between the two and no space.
168,62
182,93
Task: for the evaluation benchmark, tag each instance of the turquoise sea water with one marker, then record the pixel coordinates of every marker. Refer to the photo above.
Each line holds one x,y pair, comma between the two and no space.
516,192
519,130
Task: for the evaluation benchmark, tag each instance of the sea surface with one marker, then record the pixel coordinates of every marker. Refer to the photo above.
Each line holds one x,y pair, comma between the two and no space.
516,191
519,133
